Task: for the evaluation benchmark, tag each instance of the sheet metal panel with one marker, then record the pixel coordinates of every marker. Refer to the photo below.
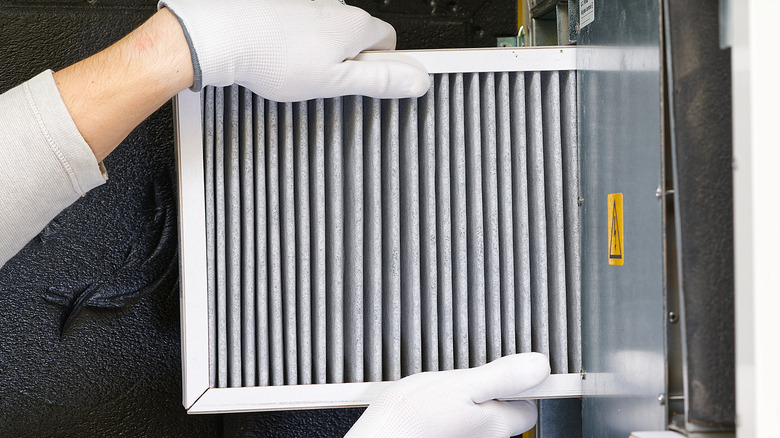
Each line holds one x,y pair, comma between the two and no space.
621,151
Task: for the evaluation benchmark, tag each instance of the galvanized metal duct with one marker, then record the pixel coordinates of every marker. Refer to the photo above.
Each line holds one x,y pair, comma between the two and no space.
354,239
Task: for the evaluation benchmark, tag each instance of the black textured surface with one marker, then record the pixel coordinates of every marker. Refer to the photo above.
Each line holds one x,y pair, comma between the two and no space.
701,86
89,332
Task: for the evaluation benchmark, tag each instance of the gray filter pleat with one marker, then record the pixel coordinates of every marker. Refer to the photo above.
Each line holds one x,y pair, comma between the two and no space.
556,259
318,269
248,273
490,211
443,222
411,326
303,242
537,219
521,241
571,185
356,239
334,238
460,277
261,245
428,264
275,312
505,209
287,216
233,235
372,262
475,225
353,238
211,268
221,268
391,245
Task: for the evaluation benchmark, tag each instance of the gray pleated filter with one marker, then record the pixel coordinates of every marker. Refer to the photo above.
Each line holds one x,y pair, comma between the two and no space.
330,247
357,240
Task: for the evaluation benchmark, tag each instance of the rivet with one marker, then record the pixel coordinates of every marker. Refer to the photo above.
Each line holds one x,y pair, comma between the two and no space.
580,200
661,399
673,318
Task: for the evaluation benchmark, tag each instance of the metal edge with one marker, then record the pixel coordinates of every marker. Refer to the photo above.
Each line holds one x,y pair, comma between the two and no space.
492,59
192,235
341,395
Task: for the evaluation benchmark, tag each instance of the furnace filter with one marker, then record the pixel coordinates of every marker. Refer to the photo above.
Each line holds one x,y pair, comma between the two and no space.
353,240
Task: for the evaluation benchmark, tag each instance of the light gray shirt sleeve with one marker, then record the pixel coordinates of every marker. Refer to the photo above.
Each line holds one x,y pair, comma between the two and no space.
45,164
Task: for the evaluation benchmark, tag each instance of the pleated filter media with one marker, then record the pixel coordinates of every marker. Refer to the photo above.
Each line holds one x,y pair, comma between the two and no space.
351,240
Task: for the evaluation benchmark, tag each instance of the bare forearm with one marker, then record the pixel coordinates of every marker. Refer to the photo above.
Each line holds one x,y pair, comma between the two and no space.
110,93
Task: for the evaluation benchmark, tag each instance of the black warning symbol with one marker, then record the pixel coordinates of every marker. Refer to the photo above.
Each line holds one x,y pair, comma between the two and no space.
615,222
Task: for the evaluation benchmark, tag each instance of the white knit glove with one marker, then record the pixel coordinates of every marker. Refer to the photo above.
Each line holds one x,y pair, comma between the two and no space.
291,50
458,403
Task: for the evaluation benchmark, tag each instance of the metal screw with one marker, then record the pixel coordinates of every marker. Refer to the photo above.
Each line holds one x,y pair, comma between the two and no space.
658,193
673,318
580,200
582,373
661,399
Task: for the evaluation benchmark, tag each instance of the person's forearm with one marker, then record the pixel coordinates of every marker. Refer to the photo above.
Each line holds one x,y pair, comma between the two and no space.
110,93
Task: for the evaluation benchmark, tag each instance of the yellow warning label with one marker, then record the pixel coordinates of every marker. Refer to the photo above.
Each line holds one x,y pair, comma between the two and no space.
615,227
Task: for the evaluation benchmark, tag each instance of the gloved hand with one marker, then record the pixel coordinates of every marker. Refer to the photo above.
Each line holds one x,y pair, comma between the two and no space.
458,403
291,50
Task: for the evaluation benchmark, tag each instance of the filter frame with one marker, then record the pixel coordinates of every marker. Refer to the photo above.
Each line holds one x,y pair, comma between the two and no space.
198,395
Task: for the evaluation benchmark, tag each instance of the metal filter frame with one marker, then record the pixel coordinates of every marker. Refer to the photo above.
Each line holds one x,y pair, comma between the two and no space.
198,395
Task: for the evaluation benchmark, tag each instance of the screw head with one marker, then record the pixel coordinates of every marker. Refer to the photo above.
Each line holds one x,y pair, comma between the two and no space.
661,399
659,193
580,200
673,317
